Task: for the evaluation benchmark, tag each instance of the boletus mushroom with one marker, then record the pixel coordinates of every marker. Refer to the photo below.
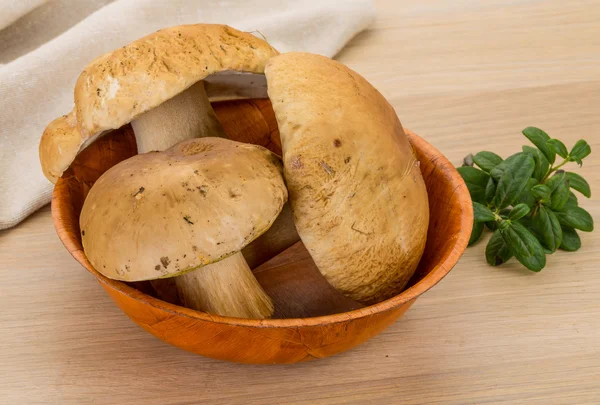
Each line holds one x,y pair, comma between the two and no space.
356,191
187,213
161,84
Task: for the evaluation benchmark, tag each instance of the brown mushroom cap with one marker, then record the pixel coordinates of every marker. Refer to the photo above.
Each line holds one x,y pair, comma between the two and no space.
121,85
125,83
61,143
359,201
161,214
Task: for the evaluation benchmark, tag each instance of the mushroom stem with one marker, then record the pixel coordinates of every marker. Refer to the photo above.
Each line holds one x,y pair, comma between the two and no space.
187,115
226,288
280,236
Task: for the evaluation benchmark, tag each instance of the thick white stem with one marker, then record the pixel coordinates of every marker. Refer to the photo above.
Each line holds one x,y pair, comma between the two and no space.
226,288
187,115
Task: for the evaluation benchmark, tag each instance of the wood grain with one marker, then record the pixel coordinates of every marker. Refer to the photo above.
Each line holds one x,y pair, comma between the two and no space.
479,72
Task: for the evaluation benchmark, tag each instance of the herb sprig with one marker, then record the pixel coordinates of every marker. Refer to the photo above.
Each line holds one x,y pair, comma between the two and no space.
526,200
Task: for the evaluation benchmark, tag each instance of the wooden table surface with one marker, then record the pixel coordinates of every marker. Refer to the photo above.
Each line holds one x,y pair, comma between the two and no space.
466,75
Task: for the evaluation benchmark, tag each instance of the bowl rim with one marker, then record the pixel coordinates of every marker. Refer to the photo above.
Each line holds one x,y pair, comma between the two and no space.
431,279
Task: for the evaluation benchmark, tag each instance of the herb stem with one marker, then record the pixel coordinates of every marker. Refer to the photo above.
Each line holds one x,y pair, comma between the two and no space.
554,168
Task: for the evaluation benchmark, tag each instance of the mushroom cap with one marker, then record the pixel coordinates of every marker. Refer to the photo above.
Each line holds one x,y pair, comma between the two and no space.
161,214
356,191
60,144
123,84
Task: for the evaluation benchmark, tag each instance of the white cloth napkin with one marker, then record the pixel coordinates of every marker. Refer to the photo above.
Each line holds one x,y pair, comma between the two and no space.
45,44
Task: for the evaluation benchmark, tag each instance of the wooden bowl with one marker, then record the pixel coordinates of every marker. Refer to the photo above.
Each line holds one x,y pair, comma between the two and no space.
312,320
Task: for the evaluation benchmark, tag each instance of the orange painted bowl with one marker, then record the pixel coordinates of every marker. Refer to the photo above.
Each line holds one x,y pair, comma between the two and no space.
312,320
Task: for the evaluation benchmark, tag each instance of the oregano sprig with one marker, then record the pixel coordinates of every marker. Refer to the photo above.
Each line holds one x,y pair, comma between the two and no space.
526,200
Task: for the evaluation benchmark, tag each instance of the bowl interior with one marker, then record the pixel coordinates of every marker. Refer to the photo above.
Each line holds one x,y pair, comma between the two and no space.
289,276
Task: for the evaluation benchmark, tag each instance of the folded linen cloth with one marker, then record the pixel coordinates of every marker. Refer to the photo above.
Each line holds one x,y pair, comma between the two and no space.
44,45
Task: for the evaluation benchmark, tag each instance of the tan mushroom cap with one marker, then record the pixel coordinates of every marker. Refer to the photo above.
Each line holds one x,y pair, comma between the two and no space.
60,144
359,201
161,214
123,84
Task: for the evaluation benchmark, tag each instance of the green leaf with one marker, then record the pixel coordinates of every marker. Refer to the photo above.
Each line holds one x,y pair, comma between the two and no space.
476,181
527,196
499,170
571,202
476,232
541,163
580,151
558,147
559,190
542,192
481,213
526,222
514,179
570,241
576,182
548,228
524,246
539,139
496,251
490,190
487,160
576,217
518,211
